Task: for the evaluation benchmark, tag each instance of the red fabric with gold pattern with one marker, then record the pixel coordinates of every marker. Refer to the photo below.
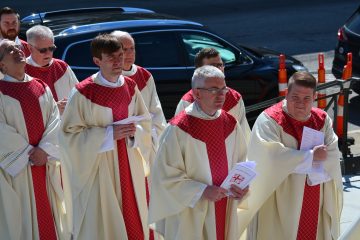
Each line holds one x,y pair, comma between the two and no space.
50,75
25,48
118,99
141,77
28,94
213,133
231,100
308,222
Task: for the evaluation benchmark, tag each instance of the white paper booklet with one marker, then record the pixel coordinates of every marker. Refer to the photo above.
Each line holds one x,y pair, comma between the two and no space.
132,119
241,175
311,138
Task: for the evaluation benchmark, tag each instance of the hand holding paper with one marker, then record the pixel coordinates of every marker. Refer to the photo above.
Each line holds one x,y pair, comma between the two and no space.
241,175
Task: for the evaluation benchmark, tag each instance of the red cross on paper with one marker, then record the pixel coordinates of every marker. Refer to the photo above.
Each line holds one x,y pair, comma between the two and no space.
237,178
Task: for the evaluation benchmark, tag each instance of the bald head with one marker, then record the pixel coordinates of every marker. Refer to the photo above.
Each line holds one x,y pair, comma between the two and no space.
128,44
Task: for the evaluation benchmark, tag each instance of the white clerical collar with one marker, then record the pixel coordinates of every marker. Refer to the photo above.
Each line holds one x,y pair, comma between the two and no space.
120,81
131,72
195,110
8,78
30,61
17,41
284,107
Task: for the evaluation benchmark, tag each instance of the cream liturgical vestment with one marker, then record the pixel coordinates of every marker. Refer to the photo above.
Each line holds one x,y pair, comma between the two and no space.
195,151
31,197
234,105
58,76
288,207
146,85
108,187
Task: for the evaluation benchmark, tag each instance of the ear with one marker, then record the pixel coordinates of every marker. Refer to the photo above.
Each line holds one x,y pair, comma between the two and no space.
31,48
96,61
286,92
196,93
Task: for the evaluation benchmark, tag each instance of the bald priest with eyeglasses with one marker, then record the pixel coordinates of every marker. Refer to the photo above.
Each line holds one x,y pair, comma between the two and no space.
196,152
40,64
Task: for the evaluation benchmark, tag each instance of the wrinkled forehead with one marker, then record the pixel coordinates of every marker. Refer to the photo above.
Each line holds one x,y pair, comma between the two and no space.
5,46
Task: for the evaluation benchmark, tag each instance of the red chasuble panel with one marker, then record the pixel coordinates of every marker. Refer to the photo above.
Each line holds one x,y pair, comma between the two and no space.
118,99
141,77
49,75
28,94
311,200
213,133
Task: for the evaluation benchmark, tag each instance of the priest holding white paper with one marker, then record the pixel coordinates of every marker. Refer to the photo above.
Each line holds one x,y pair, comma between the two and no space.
197,150
101,155
298,191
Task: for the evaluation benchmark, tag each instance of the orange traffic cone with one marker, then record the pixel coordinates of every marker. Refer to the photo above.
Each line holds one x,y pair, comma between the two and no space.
347,73
321,80
282,76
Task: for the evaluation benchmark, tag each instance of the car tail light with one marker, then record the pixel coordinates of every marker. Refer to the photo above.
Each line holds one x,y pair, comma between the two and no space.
341,34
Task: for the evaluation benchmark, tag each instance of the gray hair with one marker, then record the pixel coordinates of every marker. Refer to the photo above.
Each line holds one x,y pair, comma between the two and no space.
203,73
4,49
121,35
39,32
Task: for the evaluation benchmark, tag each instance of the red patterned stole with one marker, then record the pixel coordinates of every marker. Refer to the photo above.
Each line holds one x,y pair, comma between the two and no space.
50,75
213,133
231,100
28,94
141,77
118,99
311,200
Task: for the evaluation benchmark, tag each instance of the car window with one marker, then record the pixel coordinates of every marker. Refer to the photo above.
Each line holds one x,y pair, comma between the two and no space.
354,22
79,49
157,49
194,42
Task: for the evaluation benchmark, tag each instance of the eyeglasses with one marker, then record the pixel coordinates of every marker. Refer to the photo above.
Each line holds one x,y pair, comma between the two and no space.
216,91
44,50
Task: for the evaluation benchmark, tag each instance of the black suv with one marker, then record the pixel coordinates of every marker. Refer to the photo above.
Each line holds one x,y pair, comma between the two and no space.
348,41
166,46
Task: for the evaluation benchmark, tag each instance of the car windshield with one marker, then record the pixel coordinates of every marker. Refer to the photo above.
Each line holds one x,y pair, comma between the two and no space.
353,24
194,42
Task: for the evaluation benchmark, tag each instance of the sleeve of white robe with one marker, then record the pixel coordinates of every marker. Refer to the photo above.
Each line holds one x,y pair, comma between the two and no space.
243,120
175,190
158,118
49,141
11,139
273,165
142,138
8,197
80,141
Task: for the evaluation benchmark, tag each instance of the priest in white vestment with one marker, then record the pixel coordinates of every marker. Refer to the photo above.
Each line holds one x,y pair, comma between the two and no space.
102,155
31,195
56,73
233,104
297,193
197,150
